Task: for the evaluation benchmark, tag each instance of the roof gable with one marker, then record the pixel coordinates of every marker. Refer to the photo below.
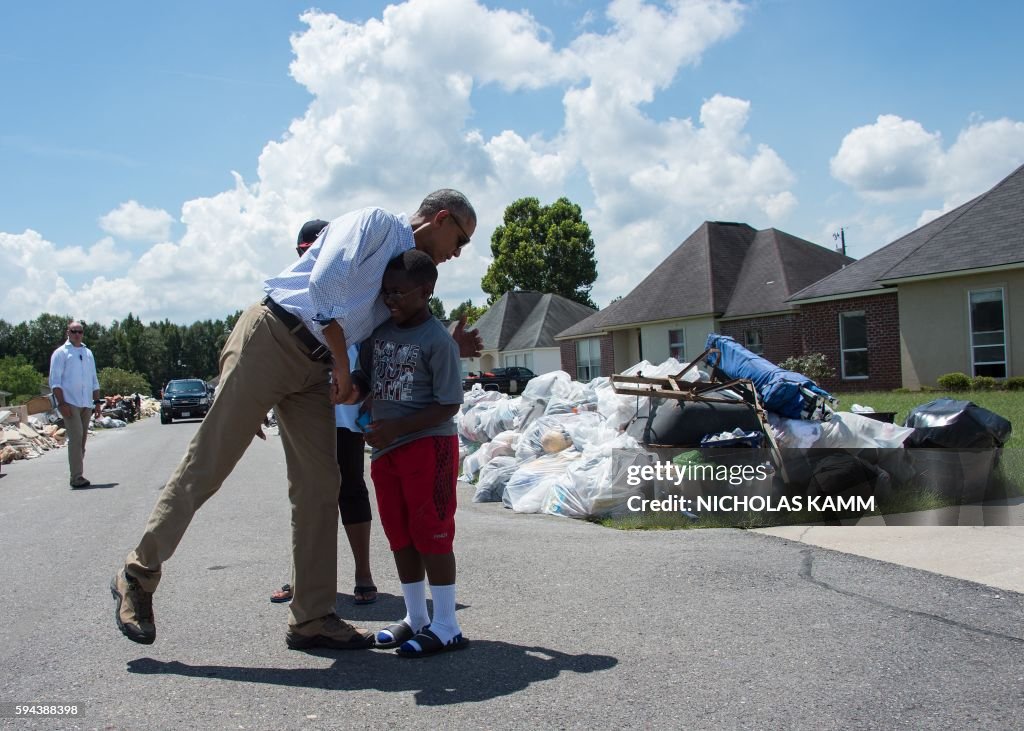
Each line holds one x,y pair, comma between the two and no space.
985,231
526,320
777,265
721,269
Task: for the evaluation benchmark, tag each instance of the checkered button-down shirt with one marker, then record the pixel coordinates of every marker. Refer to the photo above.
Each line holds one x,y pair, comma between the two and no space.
339,277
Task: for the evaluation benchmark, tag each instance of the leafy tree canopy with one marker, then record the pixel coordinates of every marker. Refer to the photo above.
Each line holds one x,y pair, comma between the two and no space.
19,378
544,249
115,381
467,308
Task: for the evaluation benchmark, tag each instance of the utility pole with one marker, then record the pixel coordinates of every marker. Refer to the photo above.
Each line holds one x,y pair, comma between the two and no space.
841,237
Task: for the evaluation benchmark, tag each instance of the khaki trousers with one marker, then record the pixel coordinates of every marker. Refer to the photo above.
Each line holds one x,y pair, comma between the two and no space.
77,430
262,366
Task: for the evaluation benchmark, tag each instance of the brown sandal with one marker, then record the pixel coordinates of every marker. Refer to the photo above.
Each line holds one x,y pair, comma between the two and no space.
284,594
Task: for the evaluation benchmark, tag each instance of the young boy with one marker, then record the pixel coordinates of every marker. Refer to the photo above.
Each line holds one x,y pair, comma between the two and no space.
410,368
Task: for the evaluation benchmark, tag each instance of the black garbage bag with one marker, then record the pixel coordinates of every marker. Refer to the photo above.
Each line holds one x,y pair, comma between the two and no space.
684,423
947,423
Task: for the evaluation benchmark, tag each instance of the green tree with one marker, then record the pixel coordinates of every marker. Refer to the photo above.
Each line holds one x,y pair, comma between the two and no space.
468,309
542,248
436,308
115,381
19,378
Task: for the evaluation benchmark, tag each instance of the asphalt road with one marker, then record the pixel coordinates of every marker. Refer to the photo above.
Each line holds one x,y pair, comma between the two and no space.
573,625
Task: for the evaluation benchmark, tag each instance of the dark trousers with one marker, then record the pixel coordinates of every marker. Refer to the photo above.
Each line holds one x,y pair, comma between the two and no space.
354,499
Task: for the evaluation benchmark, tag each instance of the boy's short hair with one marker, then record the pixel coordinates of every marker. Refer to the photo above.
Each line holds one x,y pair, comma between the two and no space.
416,265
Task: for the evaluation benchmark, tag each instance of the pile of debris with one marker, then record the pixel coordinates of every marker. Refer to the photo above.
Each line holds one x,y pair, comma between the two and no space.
28,438
581,450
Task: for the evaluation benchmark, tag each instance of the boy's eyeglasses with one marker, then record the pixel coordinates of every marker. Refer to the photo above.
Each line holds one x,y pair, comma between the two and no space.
393,294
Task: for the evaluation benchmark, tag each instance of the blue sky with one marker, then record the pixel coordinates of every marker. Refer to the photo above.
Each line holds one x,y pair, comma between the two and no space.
159,158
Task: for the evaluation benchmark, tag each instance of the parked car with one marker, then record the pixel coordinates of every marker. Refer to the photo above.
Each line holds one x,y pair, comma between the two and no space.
185,398
512,379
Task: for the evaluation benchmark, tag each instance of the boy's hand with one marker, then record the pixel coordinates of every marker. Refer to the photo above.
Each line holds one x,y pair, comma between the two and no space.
380,434
356,396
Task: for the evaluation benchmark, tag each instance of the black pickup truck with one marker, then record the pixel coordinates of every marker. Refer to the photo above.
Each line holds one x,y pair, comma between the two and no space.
507,380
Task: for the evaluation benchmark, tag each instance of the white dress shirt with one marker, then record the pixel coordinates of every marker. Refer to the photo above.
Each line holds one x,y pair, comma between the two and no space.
339,277
73,370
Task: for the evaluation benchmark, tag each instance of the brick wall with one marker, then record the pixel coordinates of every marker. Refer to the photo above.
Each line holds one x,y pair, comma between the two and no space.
780,334
607,355
819,328
568,351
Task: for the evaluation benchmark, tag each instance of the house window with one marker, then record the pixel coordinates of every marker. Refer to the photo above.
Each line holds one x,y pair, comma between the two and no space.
588,359
524,360
853,344
752,342
988,333
677,345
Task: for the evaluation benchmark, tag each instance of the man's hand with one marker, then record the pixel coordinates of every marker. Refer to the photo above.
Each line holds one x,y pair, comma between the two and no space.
341,385
65,410
470,342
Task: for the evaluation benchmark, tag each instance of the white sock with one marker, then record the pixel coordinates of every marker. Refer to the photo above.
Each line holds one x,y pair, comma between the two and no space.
416,615
444,623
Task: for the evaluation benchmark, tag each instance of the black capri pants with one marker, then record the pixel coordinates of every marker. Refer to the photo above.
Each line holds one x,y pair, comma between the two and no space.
354,499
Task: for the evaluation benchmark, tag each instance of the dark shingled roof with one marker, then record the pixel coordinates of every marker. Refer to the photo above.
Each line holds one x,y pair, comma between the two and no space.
984,232
722,269
524,320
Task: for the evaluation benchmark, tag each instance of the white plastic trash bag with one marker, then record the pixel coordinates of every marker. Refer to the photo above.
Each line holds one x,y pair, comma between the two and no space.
846,430
527,490
494,476
503,445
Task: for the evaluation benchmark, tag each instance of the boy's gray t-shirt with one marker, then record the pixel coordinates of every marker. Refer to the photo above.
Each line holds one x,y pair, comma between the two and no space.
409,369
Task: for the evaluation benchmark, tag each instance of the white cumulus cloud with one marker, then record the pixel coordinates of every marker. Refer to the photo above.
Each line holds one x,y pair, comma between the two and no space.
897,159
137,223
392,118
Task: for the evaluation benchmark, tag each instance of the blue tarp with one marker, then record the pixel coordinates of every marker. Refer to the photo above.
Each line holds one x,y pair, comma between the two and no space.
780,390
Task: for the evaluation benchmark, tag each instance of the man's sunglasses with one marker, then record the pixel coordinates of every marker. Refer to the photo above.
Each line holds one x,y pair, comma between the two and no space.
465,236
76,332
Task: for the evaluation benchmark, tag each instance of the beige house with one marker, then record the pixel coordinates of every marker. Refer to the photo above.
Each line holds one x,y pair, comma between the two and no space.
947,297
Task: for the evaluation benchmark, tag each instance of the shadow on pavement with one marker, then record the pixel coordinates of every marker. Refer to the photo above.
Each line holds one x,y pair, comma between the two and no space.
95,486
486,669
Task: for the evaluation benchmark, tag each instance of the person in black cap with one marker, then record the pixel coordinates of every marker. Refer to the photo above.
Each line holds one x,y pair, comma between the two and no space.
308,234
354,498
289,351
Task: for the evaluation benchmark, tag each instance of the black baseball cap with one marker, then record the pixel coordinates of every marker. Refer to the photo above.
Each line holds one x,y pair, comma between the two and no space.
308,233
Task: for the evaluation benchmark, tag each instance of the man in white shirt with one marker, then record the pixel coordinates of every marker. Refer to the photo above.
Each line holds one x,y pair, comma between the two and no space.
289,352
75,387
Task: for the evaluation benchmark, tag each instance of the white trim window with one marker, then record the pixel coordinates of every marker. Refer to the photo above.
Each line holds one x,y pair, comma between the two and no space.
588,359
518,359
853,344
752,341
677,345
988,332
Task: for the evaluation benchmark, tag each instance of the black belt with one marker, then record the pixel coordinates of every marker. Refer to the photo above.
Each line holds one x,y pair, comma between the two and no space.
317,350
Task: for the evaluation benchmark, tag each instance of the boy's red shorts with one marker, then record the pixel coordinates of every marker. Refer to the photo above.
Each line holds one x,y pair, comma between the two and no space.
415,485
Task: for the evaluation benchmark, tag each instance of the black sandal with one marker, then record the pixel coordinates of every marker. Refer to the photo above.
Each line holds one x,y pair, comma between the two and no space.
284,594
399,631
430,644
364,590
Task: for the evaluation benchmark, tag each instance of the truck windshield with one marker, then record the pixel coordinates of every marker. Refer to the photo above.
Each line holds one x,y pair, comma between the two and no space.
186,387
